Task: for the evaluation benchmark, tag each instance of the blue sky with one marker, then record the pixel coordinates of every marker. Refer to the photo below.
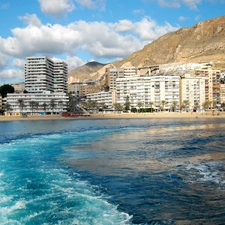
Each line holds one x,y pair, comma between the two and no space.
79,31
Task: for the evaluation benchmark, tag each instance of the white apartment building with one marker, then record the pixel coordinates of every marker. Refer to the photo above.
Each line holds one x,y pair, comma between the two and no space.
43,74
46,103
60,76
107,98
115,73
148,89
192,89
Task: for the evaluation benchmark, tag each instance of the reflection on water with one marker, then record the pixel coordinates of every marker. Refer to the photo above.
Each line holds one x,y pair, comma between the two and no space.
165,173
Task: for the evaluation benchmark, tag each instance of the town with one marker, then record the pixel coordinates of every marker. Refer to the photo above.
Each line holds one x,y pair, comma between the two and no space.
175,87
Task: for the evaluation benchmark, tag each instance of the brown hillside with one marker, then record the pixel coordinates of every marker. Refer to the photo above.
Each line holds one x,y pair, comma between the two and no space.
84,72
203,42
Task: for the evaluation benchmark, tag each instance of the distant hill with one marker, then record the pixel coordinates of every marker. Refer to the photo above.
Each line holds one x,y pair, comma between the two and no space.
84,72
204,42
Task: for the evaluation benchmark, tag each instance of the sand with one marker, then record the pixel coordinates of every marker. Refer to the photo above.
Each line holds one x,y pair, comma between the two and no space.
162,115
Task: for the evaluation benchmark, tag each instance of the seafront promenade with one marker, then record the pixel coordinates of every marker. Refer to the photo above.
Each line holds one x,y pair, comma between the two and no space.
160,115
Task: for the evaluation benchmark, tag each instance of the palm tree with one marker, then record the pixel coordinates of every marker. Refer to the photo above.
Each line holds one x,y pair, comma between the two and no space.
52,105
7,107
151,104
127,103
21,105
185,105
140,105
163,103
60,104
32,106
118,107
174,106
36,104
45,106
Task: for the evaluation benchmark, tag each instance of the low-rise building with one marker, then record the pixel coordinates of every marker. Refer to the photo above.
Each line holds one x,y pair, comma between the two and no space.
106,98
37,103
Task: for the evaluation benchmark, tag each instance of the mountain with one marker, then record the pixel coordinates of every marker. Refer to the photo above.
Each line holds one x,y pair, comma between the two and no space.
203,42
87,71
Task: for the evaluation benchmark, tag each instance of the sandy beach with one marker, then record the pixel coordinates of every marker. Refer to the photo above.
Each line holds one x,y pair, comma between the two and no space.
162,115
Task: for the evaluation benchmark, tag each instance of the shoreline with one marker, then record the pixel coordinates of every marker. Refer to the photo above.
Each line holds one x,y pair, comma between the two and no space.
159,115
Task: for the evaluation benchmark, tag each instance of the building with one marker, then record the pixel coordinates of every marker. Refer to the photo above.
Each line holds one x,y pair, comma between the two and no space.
106,98
150,91
60,76
212,84
43,74
114,73
38,103
81,89
192,90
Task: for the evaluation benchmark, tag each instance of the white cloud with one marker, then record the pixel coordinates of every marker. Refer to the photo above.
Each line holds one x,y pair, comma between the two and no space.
148,29
31,20
74,62
99,40
4,59
182,18
56,8
192,4
123,26
19,63
92,4
11,75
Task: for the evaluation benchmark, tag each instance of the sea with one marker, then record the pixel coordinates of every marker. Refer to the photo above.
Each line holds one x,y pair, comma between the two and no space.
112,171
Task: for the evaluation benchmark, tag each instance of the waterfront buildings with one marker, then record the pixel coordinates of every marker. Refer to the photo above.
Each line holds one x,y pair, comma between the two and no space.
43,74
147,91
37,103
192,91
106,99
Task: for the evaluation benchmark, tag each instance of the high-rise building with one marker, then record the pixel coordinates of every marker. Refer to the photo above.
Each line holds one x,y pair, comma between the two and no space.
43,74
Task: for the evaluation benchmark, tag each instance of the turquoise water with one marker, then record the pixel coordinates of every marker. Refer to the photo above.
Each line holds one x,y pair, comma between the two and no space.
112,171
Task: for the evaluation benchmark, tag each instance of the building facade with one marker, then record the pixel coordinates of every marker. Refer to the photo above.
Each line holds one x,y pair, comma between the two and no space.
38,103
149,91
43,74
192,90
106,98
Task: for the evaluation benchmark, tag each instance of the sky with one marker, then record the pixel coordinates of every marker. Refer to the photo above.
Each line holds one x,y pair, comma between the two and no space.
79,31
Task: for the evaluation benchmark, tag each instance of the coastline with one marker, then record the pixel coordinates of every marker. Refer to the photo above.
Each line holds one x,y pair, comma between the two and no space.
160,115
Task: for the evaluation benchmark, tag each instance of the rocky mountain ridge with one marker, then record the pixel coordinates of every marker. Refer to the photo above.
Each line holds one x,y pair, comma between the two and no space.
204,42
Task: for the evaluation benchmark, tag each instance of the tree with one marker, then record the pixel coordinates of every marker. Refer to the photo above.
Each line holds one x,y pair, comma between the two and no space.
5,89
140,105
163,103
60,104
174,106
185,104
118,107
127,103
52,105
7,107
36,104
32,106
45,106
21,104
71,103
151,104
